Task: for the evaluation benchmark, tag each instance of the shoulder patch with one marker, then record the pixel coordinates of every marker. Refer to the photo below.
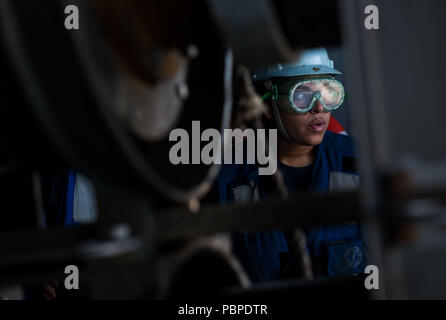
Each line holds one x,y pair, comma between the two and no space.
340,181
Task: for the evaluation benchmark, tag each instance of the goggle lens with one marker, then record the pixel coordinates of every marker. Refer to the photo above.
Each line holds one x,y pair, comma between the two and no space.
304,94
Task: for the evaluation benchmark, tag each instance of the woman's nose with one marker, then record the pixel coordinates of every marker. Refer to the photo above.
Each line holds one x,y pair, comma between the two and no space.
318,107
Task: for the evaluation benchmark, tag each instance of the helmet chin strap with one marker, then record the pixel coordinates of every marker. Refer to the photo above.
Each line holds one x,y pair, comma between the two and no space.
279,122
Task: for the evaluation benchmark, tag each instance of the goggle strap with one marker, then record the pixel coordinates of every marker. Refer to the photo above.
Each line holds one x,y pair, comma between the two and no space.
267,95
271,94
275,92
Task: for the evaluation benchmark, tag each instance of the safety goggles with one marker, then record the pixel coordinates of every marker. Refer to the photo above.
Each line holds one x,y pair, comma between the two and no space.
300,97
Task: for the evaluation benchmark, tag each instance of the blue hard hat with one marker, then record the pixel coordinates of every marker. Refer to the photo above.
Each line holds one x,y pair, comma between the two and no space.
311,62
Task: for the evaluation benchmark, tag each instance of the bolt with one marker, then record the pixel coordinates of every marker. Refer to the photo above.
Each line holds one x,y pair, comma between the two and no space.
182,91
192,51
120,231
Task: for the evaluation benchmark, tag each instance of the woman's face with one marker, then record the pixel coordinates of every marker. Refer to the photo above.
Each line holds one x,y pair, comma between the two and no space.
306,129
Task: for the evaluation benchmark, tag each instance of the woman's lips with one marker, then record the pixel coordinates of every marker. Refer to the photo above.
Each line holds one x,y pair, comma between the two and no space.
317,126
